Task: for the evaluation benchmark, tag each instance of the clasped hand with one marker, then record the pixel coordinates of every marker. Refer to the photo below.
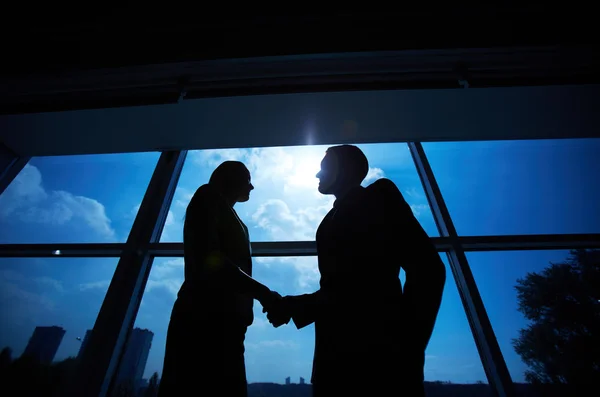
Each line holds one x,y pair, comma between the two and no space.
278,310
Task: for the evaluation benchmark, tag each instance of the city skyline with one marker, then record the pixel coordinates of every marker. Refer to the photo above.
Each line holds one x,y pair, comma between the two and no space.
44,343
46,340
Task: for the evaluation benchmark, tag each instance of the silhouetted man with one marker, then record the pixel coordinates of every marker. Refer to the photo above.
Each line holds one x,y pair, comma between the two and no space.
370,335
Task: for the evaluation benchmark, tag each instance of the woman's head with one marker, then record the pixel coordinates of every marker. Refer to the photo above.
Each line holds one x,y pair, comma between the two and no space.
232,179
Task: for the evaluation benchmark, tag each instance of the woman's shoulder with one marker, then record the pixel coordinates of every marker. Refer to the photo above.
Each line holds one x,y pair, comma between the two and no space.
206,195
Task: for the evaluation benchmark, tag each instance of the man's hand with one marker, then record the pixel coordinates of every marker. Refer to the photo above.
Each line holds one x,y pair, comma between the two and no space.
270,300
279,312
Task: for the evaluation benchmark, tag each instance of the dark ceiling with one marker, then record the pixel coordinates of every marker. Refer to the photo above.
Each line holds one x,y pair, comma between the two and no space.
95,58
61,39
63,59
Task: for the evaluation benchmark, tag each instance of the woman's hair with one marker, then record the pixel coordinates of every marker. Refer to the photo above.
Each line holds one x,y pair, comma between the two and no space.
229,176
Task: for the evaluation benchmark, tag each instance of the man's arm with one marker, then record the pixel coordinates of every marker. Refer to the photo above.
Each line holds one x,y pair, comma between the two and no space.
425,276
424,286
425,271
302,309
202,238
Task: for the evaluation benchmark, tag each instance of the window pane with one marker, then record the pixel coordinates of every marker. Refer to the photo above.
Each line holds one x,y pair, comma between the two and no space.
519,187
285,204
272,355
543,311
452,364
75,199
62,296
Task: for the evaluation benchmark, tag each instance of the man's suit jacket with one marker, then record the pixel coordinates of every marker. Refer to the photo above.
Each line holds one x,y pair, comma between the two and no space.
360,314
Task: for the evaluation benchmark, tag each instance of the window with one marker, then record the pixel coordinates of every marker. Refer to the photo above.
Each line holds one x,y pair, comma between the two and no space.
452,362
75,199
274,354
558,291
286,205
265,345
46,306
519,187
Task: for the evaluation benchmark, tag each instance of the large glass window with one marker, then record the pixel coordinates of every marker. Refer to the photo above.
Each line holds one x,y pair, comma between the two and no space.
519,187
274,354
285,205
543,306
75,199
46,306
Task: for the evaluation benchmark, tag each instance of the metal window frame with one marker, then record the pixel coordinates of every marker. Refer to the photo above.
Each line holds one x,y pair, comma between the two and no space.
13,167
485,339
524,242
116,317
100,360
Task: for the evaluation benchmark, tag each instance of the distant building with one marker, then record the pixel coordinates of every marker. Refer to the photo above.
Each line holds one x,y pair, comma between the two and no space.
288,380
133,363
302,381
84,343
44,343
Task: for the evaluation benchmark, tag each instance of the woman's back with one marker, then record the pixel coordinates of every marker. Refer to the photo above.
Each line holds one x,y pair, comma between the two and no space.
214,234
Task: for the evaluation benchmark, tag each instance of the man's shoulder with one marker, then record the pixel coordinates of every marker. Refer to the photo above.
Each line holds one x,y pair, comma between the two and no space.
383,187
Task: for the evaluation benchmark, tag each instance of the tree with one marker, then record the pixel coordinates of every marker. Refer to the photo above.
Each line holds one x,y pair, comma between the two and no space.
152,389
561,344
5,358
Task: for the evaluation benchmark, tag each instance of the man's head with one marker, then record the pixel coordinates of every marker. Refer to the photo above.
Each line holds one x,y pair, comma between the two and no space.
342,168
232,179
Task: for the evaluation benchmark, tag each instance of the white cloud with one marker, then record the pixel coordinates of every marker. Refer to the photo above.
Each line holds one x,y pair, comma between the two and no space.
419,209
173,228
167,268
373,175
308,273
167,274
272,344
55,284
413,193
27,200
170,284
183,198
25,190
23,303
102,284
305,267
282,224
8,275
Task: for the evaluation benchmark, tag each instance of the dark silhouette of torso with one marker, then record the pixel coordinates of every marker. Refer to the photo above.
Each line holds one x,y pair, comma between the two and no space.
361,337
228,237
205,341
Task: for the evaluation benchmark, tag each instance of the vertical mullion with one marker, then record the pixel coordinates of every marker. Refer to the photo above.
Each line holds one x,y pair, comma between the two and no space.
485,339
10,166
107,342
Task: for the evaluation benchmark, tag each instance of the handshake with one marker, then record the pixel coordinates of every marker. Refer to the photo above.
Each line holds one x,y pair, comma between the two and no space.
278,309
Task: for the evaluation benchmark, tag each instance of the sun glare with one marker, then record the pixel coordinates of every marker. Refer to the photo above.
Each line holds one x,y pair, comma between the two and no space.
305,170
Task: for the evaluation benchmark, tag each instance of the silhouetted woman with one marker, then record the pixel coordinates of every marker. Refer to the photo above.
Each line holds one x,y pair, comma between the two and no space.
205,341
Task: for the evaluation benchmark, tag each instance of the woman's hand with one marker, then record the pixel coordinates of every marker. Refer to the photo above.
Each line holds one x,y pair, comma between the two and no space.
269,300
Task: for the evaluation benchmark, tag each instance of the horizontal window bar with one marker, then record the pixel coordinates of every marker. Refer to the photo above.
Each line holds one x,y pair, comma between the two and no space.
309,248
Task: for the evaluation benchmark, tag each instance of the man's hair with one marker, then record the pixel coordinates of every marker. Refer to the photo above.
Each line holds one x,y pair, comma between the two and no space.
229,176
352,162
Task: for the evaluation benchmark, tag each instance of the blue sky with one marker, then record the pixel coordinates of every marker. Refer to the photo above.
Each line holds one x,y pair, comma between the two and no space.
509,187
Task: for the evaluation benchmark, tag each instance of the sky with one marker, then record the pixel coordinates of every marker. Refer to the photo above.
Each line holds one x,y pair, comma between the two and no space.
490,188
